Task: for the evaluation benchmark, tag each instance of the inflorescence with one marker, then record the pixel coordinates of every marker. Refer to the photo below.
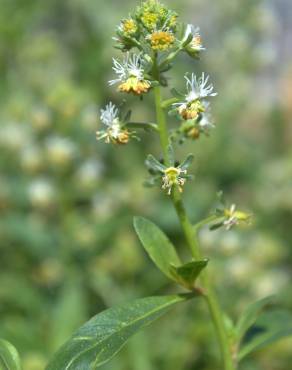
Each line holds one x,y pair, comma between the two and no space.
150,39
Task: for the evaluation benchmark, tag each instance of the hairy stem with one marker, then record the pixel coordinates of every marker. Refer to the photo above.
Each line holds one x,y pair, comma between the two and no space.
192,242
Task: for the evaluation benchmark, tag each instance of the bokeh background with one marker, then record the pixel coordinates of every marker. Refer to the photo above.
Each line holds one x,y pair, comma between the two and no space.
68,248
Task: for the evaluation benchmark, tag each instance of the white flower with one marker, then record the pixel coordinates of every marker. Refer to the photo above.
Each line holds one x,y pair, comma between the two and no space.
131,66
114,133
173,176
206,123
110,115
130,74
192,33
41,193
198,88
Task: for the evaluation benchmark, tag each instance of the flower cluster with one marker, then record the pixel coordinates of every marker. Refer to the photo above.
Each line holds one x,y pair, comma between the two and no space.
153,30
153,23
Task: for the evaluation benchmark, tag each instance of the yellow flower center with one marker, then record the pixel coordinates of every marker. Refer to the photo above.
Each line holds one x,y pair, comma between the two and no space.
134,85
191,110
172,177
196,43
172,173
161,40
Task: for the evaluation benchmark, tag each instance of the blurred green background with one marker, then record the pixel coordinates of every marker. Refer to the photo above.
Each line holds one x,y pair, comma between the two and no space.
68,248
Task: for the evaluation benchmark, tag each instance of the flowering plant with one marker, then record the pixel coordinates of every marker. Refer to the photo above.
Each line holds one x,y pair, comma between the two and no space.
151,38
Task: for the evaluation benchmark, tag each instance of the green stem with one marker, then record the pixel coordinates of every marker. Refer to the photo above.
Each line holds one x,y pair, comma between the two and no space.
192,241
162,127
168,102
204,222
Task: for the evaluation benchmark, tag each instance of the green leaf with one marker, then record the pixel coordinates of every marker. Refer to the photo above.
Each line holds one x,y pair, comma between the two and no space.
170,154
188,273
105,334
142,125
176,94
157,245
270,327
153,163
250,315
187,162
9,357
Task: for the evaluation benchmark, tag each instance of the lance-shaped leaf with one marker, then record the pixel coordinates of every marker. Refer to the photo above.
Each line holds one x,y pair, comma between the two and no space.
250,315
142,125
187,162
270,327
170,153
9,357
105,334
152,163
188,273
157,245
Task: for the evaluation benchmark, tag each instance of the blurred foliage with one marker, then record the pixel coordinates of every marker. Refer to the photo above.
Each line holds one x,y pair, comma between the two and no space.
68,248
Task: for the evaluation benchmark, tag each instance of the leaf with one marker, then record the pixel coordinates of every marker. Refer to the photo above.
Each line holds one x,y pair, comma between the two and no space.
176,94
187,162
105,334
250,315
142,125
157,245
188,273
127,116
9,356
270,327
154,164
170,153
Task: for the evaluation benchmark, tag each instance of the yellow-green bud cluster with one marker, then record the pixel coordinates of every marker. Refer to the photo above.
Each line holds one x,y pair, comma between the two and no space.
151,22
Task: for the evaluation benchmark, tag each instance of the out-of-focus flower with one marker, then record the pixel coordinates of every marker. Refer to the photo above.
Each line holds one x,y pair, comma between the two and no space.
31,159
89,173
233,217
228,216
14,136
89,117
60,150
42,193
41,118
271,282
49,272
130,74
115,132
